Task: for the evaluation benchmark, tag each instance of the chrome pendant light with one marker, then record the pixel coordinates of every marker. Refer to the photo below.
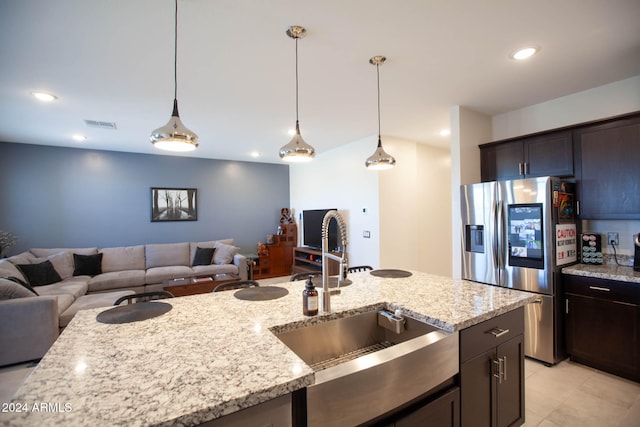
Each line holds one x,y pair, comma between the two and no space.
174,136
380,159
297,150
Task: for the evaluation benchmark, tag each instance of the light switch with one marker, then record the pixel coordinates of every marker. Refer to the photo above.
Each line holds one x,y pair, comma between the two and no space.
366,234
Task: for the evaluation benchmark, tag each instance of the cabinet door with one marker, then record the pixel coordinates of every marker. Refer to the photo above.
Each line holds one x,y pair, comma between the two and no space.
442,412
604,334
608,159
477,391
549,155
501,161
510,389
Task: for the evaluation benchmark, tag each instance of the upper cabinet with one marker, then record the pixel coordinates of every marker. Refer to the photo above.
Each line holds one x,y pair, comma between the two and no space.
608,169
550,154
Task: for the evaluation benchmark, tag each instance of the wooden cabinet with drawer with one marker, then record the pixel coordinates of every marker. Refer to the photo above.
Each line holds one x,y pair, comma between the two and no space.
492,372
603,324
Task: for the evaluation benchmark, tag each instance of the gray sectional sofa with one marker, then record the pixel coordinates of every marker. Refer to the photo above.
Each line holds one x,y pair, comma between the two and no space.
42,289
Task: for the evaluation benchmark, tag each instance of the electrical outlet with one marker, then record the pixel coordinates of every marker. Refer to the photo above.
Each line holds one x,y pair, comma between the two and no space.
366,234
613,237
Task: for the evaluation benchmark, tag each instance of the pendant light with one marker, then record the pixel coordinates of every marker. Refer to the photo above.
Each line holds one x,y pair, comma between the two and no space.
380,159
297,150
174,136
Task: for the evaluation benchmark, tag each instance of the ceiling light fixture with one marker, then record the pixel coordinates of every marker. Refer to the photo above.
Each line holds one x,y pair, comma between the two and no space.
174,136
79,138
524,53
297,150
44,96
380,159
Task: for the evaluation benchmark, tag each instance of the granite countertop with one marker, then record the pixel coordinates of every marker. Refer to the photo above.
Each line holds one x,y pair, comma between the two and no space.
214,354
608,271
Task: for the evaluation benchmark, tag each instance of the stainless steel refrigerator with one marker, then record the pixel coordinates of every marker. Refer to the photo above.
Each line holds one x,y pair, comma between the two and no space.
518,234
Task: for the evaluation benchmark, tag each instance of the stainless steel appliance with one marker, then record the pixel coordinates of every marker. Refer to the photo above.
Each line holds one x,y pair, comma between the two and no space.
518,234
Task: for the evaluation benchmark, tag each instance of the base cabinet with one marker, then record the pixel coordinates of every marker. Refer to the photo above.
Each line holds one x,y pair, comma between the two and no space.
492,372
442,412
603,324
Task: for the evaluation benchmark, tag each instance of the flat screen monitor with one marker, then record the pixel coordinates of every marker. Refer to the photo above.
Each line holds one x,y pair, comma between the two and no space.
526,246
312,229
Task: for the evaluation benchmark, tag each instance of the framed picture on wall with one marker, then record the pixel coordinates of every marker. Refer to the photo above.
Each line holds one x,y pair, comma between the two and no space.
174,204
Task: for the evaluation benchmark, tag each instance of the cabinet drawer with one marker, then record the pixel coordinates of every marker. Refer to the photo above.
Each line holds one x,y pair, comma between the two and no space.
491,333
611,290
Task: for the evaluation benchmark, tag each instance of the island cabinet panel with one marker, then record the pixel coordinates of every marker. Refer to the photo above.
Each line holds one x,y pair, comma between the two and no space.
603,324
608,169
550,154
492,372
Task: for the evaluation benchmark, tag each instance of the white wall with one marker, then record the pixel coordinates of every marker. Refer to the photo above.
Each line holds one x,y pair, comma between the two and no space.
408,207
594,104
339,179
601,102
468,130
415,208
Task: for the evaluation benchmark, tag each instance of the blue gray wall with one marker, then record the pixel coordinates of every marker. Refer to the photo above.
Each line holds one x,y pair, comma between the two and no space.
68,197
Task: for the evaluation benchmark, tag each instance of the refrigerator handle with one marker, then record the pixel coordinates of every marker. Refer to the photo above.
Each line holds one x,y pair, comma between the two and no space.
500,243
494,243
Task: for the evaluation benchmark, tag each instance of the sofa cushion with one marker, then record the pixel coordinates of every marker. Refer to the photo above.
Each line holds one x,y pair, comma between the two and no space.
8,269
22,258
75,288
62,262
40,274
91,301
123,258
12,290
167,254
208,244
224,253
87,265
64,302
213,269
117,280
160,274
203,256
45,252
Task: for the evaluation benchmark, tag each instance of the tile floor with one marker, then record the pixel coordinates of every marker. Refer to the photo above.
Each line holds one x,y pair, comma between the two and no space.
565,395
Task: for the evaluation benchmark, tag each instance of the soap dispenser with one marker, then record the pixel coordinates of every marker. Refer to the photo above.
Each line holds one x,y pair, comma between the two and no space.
310,299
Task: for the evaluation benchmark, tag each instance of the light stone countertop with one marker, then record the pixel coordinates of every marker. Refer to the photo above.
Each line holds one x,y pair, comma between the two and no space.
608,271
214,354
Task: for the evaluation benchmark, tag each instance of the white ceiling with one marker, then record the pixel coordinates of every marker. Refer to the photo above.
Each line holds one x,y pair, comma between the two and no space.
113,61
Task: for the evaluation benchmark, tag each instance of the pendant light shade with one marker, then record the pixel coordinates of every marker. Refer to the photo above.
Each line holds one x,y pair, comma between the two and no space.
297,150
174,136
380,159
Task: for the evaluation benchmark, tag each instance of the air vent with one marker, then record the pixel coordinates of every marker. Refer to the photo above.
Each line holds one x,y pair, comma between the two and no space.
101,125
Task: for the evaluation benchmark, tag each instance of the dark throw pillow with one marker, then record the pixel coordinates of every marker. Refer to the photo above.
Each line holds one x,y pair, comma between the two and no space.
203,256
40,274
87,265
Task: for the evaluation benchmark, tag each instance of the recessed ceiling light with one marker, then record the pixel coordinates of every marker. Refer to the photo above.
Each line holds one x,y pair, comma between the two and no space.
291,132
79,138
255,154
524,53
44,96
445,132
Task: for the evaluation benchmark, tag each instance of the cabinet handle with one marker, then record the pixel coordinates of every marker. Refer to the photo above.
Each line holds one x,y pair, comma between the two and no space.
520,168
497,332
504,368
578,207
566,306
526,168
598,288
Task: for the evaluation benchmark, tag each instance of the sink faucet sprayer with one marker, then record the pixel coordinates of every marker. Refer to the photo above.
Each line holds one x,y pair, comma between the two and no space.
325,301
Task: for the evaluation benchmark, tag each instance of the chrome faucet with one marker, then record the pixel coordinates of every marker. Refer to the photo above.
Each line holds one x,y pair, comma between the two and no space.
325,300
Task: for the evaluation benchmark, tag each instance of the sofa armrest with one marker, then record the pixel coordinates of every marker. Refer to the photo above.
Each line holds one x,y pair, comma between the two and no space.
240,261
28,328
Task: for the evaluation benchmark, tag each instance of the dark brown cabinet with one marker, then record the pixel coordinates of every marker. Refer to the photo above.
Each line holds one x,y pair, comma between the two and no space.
542,155
492,372
603,324
608,169
442,412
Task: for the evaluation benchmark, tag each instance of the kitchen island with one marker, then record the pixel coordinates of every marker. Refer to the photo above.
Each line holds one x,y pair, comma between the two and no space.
214,354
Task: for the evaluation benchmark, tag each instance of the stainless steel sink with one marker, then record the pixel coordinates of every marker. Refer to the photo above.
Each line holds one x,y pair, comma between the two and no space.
364,369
